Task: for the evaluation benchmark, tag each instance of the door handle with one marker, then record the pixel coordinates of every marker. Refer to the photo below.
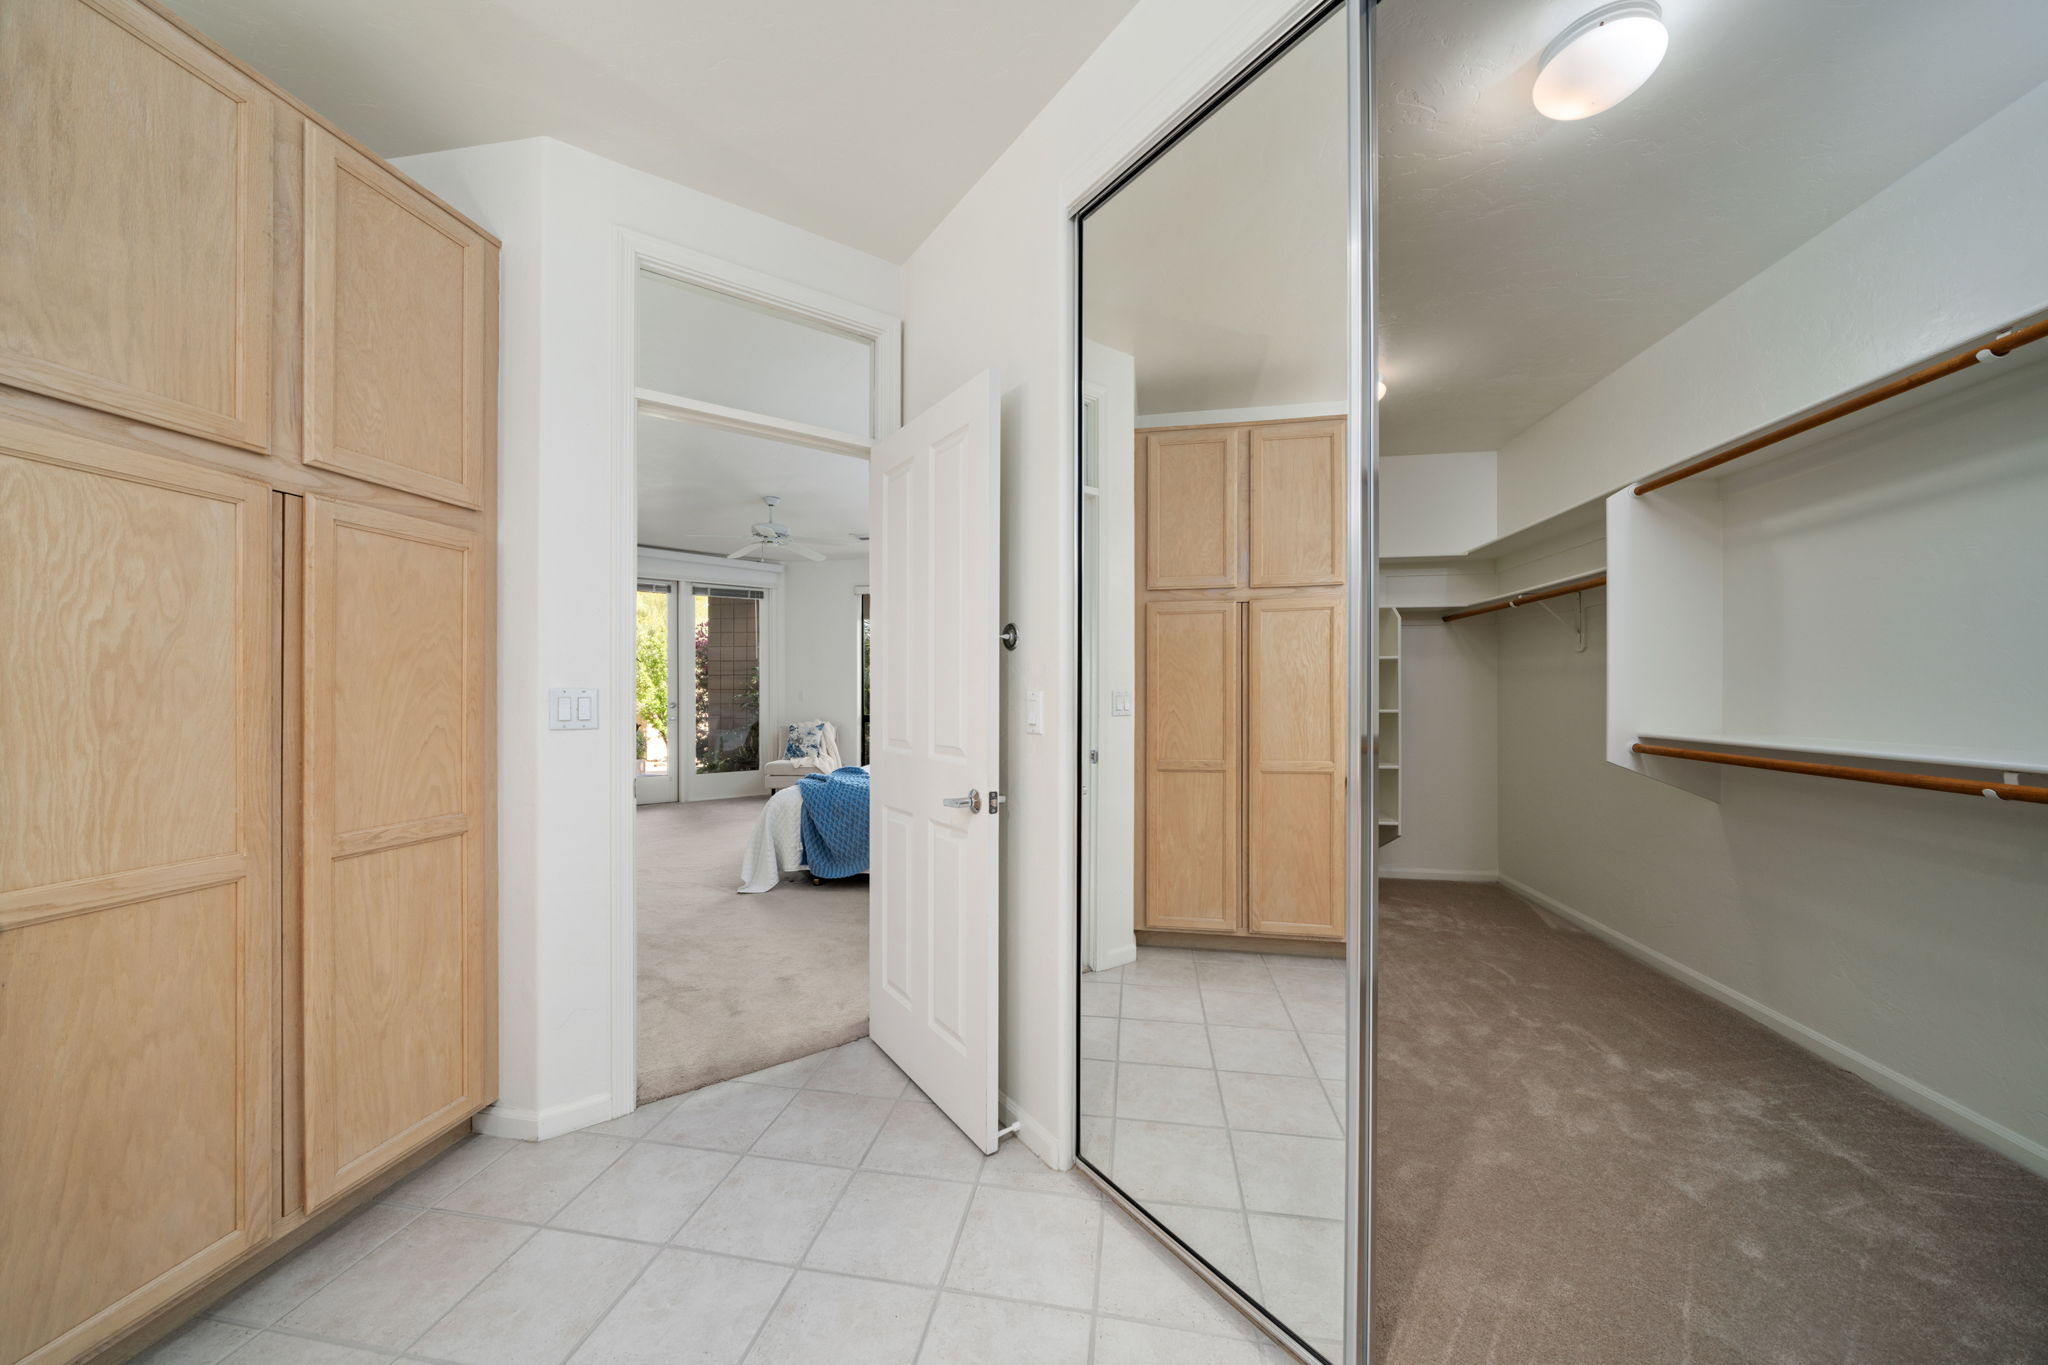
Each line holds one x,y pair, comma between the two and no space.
971,801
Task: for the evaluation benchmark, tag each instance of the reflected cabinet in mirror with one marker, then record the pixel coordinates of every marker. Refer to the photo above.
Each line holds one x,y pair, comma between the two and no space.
1216,602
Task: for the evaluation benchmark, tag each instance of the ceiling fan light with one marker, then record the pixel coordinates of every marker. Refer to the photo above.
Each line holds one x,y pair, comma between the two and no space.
1600,60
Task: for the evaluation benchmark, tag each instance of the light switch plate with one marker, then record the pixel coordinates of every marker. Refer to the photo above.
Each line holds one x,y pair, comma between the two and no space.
1119,703
1034,713
572,708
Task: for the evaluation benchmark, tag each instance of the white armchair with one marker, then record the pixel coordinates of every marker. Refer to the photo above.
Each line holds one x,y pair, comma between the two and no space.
808,746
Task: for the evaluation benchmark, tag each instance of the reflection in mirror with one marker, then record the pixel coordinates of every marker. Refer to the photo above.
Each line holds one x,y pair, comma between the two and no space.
1214,688
1678,1060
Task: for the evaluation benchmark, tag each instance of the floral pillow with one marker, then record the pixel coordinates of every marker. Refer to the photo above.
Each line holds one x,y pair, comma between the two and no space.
806,740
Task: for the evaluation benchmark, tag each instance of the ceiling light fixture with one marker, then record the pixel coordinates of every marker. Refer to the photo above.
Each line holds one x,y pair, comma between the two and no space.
1601,60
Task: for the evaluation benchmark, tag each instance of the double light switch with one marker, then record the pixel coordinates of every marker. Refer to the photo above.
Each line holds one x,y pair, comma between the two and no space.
572,708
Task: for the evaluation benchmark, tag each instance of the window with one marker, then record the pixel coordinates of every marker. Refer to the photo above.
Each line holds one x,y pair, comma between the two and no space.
728,676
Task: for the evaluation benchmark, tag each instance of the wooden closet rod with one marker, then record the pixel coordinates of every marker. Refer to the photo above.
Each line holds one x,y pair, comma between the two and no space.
1926,374
2004,791
1598,580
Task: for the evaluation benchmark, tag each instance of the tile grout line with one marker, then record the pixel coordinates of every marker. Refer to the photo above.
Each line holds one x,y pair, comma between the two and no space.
755,1338
952,1252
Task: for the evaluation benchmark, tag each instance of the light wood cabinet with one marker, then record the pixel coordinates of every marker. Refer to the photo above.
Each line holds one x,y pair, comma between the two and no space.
1242,658
1294,785
1295,472
396,329
394,810
135,266
1193,773
138,906
246,910
1193,508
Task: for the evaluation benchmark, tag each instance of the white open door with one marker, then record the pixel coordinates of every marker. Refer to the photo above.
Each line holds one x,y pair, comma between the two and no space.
933,495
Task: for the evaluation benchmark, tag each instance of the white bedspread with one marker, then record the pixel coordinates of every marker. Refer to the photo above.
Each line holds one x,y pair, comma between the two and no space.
777,847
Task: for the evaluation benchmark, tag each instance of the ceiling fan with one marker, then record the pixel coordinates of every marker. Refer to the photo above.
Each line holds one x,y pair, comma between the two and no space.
773,535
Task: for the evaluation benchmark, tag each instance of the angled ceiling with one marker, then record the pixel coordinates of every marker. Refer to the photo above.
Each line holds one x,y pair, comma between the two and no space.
700,489
862,123
1521,260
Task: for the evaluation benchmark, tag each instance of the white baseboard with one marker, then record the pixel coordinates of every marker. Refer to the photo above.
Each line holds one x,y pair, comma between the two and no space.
527,1125
1939,1107
1434,874
1035,1135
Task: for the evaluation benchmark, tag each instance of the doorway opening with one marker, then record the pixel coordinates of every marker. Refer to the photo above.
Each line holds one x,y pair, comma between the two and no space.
751,435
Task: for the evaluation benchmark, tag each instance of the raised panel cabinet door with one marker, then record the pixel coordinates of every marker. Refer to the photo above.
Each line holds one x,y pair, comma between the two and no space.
1193,509
135,256
393,937
138,911
1296,477
398,300
1193,657
1295,763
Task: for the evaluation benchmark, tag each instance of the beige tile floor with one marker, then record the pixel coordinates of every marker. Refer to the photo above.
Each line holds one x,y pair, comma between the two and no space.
819,1211
1211,1090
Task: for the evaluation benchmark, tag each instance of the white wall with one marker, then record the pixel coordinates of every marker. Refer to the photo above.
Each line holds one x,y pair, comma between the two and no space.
566,557
1950,250
821,651
990,289
1437,505
1449,739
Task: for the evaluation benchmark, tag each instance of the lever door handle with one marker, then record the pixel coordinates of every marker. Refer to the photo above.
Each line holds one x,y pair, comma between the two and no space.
971,801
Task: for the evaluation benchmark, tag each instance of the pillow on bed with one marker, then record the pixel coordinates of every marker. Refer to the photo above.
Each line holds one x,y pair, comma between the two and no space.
806,740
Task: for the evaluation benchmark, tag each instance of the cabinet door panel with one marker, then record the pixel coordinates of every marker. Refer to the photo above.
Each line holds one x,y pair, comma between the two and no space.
1295,798
397,312
135,267
1297,505
1192,773
394,975
137,905
1193,514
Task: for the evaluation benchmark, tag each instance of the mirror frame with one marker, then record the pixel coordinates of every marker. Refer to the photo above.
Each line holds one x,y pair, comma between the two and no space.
1361,824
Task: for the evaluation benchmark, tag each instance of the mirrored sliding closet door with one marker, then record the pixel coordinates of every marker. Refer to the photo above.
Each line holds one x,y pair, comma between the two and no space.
1220,601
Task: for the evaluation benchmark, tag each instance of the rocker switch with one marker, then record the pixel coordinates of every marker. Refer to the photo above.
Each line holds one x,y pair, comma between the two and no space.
572,708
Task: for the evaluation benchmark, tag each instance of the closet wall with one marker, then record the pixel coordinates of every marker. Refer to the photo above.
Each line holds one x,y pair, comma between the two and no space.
246,818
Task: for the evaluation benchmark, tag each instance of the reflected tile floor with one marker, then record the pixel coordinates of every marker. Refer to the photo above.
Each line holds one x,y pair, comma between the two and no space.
819,1211
1212,1082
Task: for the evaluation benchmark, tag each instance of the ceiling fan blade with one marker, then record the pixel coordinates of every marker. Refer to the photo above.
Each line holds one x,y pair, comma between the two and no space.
743,553
811,555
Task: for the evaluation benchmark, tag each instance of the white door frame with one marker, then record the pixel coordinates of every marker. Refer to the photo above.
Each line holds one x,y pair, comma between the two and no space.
637,251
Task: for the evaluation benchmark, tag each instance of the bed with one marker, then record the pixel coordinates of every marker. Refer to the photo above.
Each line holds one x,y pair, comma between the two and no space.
776,848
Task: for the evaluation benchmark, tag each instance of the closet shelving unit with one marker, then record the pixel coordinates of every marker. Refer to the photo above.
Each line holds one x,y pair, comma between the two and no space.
1387,775
1669,617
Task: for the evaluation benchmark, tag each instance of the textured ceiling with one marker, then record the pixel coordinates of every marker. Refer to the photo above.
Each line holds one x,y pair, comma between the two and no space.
701,489
1521,260
864,123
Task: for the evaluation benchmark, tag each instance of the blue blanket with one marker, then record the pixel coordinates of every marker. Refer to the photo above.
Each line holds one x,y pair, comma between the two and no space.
835,823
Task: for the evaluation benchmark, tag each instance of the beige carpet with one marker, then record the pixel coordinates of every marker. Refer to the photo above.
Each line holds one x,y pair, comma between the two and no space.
1581,1160
730,983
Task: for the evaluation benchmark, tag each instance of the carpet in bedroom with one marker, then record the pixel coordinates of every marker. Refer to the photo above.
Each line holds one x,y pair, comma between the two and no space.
730,984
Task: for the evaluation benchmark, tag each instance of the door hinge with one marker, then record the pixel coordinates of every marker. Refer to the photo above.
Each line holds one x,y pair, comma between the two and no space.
1095,756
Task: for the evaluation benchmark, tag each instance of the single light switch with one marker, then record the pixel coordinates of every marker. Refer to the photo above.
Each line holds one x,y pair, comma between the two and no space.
1119,703
572,708
1034,713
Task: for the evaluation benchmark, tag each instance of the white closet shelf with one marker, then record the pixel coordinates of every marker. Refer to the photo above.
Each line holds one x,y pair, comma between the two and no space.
1838,748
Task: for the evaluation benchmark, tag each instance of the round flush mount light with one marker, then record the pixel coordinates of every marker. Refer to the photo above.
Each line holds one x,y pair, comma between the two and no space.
1600,60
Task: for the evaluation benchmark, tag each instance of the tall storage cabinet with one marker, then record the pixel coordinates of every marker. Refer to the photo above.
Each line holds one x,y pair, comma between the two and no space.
246,947
1242,666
